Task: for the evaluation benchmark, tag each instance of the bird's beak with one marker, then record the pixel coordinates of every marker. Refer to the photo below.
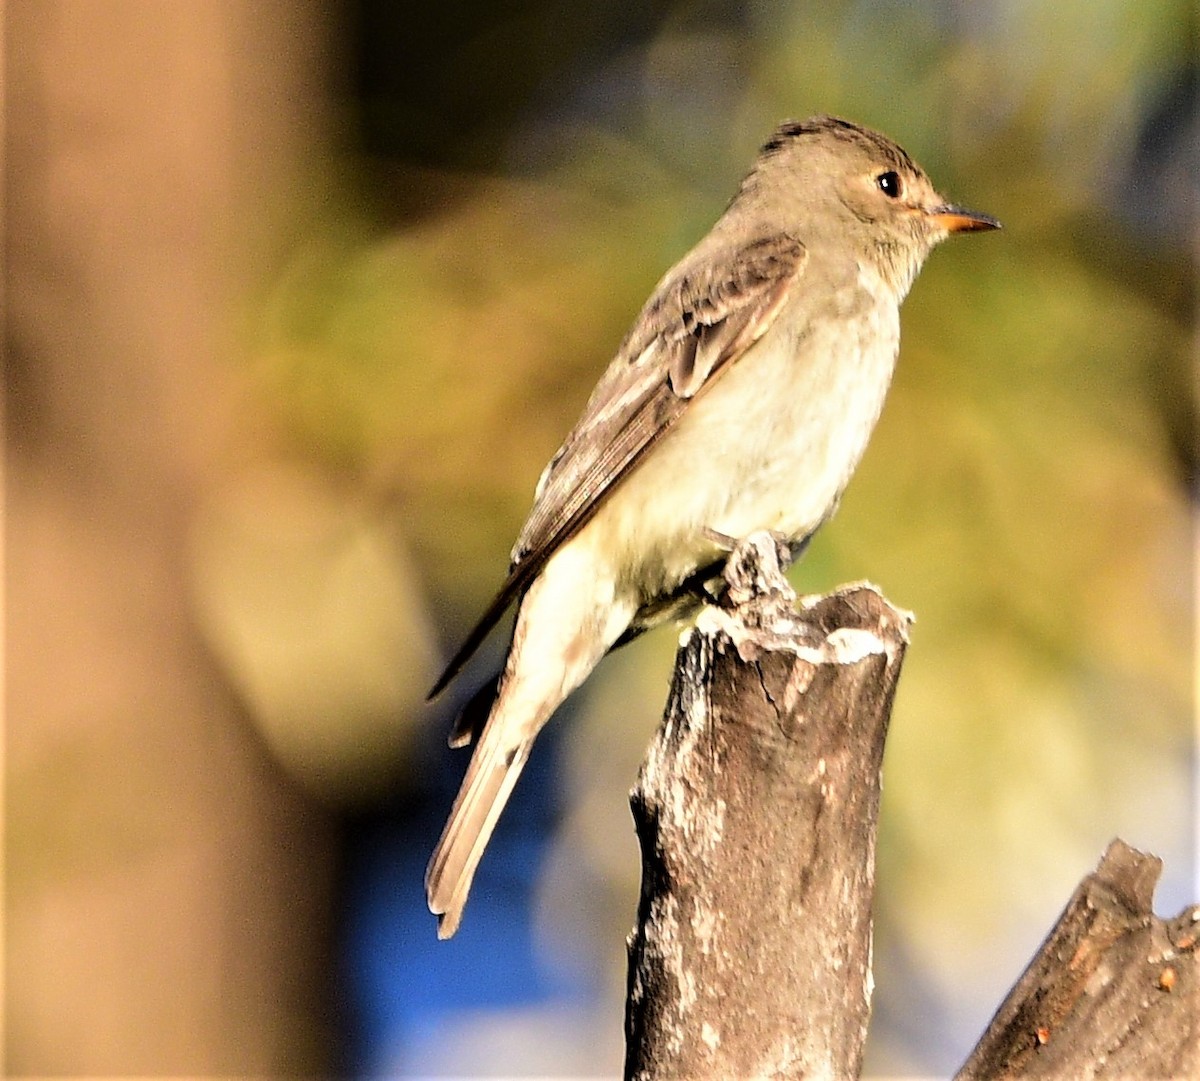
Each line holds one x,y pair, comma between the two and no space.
957,219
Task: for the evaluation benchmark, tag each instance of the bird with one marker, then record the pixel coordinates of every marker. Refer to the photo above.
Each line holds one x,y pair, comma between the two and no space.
741,400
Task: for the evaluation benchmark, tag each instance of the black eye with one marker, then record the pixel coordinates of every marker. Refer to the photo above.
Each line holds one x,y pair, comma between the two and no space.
889,184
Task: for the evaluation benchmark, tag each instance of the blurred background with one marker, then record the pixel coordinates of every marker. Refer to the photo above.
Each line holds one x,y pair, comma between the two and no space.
301,297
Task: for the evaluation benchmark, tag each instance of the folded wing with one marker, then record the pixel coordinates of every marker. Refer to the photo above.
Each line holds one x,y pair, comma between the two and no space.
698,322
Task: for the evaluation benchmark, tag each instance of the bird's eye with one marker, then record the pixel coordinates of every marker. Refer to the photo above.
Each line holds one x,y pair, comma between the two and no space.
889,183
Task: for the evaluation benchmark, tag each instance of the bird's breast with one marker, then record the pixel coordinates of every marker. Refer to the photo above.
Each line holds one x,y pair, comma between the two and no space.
770,445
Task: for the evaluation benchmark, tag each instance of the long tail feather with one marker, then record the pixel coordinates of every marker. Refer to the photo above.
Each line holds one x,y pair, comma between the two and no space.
489,782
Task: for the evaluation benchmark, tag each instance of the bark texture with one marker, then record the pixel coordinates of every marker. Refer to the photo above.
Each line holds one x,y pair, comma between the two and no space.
1112,993
756,810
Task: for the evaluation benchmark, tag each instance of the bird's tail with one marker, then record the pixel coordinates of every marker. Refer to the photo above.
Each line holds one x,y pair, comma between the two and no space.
566,622
494,769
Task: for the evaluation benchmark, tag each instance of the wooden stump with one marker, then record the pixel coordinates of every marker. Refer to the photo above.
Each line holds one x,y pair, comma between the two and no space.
756,809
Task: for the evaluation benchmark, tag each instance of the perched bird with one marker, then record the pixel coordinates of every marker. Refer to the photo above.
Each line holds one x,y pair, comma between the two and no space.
741,400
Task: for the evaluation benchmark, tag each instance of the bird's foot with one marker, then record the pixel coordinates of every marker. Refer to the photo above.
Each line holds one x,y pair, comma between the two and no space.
722,540
787,549
754,576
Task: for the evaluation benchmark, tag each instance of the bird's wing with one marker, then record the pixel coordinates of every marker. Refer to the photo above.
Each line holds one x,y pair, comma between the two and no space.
700,320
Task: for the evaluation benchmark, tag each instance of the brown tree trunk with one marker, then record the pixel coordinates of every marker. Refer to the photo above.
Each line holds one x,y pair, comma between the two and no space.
168,890
756,809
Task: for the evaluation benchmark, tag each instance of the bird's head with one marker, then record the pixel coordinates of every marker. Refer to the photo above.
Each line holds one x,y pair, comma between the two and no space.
836,183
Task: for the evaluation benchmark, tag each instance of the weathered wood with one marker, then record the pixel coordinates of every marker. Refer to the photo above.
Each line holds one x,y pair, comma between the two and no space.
1112,993
756,810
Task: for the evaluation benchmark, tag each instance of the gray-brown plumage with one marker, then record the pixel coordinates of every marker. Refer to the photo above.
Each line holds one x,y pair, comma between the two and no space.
741,400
